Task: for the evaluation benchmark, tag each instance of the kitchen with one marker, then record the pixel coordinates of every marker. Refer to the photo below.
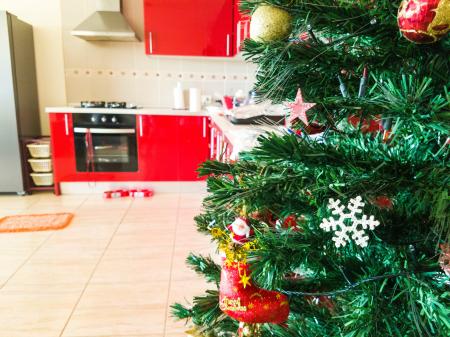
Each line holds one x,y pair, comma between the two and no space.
138,114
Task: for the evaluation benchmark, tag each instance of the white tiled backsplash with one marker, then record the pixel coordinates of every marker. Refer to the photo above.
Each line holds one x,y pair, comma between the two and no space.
122,71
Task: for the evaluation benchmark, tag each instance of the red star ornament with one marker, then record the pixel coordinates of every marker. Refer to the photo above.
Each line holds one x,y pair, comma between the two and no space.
299,108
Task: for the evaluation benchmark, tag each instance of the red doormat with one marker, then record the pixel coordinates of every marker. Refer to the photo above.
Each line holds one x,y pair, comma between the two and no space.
34,222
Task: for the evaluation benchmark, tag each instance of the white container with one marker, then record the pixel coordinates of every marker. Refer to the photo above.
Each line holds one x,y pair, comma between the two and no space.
39,150
42,179
195,100
41,165
178,97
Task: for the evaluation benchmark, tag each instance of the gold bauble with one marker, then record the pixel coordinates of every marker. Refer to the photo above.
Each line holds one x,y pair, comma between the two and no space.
270,23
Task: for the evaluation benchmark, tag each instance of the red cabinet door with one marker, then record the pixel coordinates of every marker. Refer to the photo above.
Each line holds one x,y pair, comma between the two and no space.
189,27
63,147
194,145
158,147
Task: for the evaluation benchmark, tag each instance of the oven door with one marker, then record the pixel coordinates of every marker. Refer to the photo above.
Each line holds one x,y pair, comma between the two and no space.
105,150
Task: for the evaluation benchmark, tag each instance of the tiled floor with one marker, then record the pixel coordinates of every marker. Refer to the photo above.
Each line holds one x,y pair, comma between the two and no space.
113,272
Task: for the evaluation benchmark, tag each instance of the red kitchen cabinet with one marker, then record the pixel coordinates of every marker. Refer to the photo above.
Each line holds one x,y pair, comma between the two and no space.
63,148
158,140
170,148
190,27
194,145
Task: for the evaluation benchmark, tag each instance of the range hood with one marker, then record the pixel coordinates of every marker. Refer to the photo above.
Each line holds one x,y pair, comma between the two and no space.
106,24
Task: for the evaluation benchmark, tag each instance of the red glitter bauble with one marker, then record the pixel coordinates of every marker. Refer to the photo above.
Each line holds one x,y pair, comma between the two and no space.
424,21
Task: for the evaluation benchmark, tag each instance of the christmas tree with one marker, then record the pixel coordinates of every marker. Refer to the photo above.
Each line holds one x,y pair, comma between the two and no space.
339,226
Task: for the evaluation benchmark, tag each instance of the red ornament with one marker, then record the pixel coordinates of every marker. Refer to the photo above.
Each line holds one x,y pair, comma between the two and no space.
299,108
424,21
241,231
383,202
242,300
372,126
292,221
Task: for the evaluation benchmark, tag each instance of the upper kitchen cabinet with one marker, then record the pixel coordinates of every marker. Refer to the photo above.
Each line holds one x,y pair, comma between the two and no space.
191,27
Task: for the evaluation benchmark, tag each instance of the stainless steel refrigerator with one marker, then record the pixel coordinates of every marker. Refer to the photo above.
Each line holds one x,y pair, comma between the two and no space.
19,111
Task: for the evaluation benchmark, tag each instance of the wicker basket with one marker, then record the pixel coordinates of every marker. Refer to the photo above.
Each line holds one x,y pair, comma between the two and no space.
41,165
42,179
39,150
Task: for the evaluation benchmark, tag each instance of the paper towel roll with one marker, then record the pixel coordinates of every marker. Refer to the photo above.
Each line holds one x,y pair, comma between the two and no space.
195,100
178,97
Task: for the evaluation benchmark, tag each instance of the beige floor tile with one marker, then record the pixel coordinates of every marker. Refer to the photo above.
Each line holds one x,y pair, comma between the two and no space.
35,313
22,242
191,239
9,264
80,239
116,321
159,201
8,212
44,209
180,269
129,228
124,257
49,275
138,252
148,216
188,213
132,270
145,238
151,294
183,292
13,202
192,200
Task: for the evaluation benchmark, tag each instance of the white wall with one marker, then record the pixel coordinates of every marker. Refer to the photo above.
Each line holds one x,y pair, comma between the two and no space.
122,71
70,70
45,17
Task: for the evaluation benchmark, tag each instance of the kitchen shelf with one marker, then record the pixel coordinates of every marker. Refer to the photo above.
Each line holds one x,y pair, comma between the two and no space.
26,168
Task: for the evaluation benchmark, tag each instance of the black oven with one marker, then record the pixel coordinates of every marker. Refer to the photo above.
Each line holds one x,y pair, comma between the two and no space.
105,143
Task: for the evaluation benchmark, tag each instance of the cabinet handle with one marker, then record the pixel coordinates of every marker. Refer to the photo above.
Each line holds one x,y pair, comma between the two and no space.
66,123
238,40
141,129
228,44
150,40
204,127
219,147
212,143
246,27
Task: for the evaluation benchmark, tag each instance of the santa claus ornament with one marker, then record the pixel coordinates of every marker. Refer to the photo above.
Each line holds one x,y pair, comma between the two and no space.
424,21
242,300
241,231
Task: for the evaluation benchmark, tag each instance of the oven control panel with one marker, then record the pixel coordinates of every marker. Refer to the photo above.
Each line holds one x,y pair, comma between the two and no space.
97,120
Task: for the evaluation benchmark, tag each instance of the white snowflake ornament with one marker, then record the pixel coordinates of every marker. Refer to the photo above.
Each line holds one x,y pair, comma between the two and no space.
351,225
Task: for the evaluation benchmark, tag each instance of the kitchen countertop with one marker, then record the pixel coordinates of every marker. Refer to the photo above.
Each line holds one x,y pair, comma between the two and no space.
139,111
242,137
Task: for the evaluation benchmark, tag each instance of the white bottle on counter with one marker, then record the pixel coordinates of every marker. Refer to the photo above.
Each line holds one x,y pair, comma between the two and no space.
178,97
195,100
